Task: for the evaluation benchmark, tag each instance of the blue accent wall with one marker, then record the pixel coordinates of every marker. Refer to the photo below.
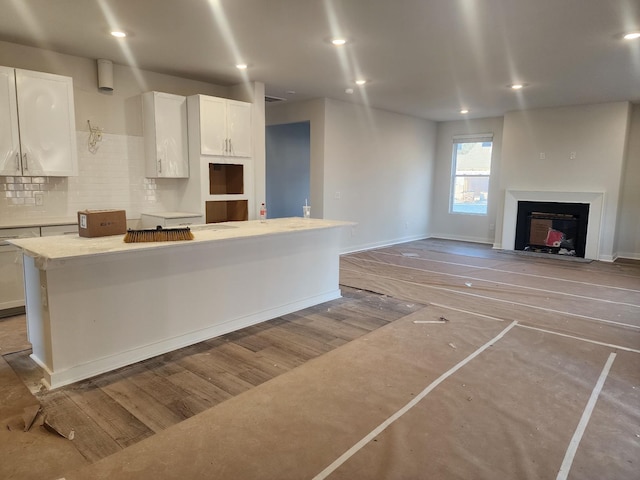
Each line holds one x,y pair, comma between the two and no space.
288,163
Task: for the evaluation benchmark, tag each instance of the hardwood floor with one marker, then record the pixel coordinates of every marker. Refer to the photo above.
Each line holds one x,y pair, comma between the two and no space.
118,409
588,302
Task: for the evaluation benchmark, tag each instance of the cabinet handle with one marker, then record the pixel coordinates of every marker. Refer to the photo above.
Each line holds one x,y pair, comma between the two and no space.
17,161
26,163
159,165
230,147
226,145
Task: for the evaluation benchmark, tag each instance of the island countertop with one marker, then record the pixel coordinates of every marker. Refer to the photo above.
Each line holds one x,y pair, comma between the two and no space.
97,304
49,251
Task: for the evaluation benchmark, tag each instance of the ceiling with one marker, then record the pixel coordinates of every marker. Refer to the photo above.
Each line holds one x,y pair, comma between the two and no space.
426,58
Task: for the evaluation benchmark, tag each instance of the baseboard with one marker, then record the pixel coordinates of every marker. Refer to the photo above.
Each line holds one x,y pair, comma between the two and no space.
372,246
462,238
628,256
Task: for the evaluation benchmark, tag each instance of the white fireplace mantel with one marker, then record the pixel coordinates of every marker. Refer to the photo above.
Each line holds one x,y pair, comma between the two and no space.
594,199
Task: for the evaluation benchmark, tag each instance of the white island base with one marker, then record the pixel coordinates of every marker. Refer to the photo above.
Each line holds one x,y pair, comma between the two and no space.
94,305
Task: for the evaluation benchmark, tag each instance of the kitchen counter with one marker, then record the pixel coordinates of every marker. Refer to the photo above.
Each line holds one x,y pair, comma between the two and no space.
50,252
97,304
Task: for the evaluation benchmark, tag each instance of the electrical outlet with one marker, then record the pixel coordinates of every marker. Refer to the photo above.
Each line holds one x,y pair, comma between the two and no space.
337,196
542,156
39,196
572,155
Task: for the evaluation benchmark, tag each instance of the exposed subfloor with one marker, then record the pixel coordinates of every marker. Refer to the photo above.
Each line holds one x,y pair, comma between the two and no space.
442,360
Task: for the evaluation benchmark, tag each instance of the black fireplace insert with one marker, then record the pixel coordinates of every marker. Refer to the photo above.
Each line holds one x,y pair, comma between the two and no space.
552,227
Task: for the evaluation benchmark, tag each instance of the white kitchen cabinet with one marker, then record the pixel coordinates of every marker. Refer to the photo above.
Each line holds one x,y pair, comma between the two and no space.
11,277
165,135
224,126
37,124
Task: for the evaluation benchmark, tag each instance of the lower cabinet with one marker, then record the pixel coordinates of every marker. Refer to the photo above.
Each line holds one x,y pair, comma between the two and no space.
11,276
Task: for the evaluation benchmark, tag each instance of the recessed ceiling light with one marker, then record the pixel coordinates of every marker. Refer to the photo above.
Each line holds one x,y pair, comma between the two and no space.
338,42
118,34
241,66
516,86
632,36
360,81
464,111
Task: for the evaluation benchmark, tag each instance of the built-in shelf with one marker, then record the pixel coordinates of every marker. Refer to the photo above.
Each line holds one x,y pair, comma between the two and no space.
226,211
226,179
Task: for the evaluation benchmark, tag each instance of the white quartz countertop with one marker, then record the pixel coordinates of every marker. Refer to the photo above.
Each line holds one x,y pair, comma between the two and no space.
49,251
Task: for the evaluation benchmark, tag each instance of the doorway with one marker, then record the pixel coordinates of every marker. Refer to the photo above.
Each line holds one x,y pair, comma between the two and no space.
288,166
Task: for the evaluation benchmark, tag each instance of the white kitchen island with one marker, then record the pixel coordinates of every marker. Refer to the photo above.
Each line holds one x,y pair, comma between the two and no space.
96,304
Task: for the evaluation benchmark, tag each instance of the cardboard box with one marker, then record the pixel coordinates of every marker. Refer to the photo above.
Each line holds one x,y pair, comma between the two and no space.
100,223
539,229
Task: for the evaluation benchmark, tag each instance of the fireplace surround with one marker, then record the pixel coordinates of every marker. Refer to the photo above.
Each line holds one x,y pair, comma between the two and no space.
594,200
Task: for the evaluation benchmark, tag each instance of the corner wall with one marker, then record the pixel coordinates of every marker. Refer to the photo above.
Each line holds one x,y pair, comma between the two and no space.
368,166
628,234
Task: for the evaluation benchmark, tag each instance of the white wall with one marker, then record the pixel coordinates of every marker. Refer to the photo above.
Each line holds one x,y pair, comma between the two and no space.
114,176
380,165
596,133
628,237
455,226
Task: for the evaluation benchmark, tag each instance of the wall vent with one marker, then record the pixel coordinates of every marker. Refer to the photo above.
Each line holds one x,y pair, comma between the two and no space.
272,99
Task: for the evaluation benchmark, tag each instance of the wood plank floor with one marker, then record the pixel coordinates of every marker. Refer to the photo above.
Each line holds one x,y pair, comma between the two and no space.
118,409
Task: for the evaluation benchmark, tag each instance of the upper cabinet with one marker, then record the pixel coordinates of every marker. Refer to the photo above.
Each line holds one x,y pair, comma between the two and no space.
224,125
165,135
37,124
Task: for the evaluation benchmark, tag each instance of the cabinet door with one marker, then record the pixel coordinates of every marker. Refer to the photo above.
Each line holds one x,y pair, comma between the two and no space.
47,124
239,128
213,137
9,138
165,131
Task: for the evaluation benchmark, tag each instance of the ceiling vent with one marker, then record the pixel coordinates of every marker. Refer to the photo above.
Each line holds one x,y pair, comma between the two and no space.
272,99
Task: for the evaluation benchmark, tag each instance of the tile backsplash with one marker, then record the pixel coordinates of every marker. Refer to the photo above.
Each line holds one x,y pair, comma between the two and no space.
113,177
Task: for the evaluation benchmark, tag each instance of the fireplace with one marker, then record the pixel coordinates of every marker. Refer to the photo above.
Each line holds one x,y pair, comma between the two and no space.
552,227
594,200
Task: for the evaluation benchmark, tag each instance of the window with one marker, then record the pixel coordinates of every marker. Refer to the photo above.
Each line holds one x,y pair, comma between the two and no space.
470,172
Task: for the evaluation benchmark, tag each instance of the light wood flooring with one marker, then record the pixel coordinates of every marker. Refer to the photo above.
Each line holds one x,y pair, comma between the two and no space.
118,409
113,411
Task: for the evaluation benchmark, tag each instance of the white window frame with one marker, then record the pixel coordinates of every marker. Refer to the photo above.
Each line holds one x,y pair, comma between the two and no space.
474,138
